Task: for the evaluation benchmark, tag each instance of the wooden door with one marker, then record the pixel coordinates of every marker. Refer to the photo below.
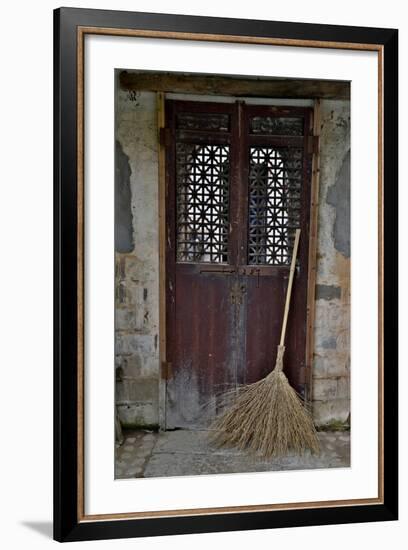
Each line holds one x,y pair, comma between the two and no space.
237,186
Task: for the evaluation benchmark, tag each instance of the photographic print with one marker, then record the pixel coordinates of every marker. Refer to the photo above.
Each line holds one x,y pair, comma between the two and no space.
232,274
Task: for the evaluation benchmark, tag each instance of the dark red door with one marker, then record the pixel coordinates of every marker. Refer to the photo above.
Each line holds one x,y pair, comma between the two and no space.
238,185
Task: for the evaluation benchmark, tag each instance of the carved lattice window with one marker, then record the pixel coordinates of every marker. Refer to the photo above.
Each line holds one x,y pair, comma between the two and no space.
275,176
202,173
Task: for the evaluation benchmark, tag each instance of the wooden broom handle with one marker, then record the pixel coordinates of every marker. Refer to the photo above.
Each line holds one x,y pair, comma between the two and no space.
290,283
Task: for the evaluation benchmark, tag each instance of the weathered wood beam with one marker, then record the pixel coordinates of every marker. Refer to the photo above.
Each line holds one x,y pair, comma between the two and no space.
237,87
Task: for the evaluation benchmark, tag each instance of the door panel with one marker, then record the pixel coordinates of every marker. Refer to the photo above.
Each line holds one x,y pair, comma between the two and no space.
203,362
278,191
200,260
264,322
238,185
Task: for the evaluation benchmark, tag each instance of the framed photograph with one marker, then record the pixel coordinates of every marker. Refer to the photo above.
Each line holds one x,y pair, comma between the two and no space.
225,274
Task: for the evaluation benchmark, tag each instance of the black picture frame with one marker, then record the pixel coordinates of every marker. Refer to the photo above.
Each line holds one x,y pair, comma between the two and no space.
67,523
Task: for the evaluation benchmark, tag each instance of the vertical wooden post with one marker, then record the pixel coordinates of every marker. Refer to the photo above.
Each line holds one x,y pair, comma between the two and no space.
162,255
314,213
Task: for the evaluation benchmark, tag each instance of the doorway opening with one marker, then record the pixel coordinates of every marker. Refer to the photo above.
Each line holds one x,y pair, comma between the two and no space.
238,185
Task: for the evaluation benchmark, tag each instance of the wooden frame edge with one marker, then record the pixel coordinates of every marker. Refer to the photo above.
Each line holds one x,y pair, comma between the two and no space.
179,35
191,512
80,273
380,274
81,32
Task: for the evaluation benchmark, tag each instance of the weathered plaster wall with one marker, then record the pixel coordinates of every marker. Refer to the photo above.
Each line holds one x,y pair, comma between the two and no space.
137,262
331,365
137,287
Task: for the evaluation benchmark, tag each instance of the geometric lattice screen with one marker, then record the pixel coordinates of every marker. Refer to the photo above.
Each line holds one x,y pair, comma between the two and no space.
202,184
274,201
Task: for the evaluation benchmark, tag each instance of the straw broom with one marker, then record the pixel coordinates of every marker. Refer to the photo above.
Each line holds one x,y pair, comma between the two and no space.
268,417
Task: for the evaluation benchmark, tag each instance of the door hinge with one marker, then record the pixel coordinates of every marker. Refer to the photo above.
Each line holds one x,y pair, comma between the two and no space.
164,137
313,143
166,370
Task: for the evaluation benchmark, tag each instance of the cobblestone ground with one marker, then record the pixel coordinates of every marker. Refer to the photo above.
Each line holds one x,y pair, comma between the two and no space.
187,452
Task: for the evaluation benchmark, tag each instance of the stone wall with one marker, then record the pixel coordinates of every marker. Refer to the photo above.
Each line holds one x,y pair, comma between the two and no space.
137,261
331,365
137,286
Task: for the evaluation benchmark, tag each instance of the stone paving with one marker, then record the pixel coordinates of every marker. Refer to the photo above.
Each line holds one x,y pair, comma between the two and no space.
188,452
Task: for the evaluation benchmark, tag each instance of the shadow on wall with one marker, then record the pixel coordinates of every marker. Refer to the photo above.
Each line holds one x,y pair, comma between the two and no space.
338,195
123,212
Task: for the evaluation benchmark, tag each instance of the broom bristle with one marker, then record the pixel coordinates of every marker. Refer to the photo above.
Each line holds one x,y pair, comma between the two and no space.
266,418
